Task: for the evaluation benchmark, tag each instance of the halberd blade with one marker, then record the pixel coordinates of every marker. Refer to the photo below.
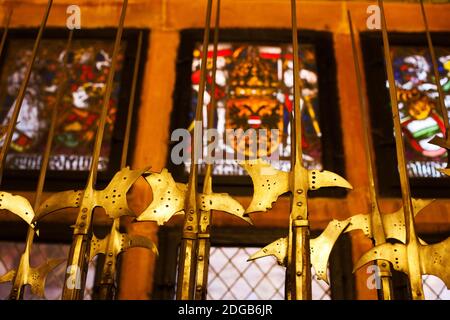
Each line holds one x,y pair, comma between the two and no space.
321,247
278,249
268,183
38,276
318,179
58,201
222,202
394,253
168,198
114,197
9,276
19,206
98,246
434,259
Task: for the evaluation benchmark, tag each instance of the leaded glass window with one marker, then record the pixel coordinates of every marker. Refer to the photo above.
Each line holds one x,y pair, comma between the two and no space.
88,66
254,90
434,288
420,113
231,277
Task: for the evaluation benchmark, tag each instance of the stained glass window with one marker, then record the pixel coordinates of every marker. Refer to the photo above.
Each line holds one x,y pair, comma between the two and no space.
419,108
89,64
10,253
254,90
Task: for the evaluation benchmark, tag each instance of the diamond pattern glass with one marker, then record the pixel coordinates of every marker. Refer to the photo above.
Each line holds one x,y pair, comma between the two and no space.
10,253
434,288
231,277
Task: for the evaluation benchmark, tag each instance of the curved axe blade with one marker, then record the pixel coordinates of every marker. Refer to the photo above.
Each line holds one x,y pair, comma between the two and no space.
394,253
168,198
7,277
278,249
113,198
321,247
38,276
35,277
222,202
58,201
268,184
116,242
19,206
98,246
319,179
435,260
393,223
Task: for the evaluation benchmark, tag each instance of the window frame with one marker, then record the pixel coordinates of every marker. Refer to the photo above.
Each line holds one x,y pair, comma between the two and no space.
381,122
25,180
332,148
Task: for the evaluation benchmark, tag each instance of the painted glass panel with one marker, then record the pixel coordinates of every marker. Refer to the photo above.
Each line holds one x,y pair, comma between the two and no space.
254,90
89,64
419,108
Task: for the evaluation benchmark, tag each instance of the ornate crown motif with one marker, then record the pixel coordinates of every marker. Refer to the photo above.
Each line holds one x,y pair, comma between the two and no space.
253,76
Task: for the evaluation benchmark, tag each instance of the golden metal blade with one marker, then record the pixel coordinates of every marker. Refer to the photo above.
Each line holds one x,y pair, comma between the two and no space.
320,248
205,216
269,183
374,221
170,198
111,246
412,258
79,253
188,250
113,198
115,242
